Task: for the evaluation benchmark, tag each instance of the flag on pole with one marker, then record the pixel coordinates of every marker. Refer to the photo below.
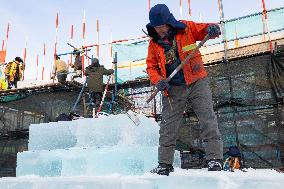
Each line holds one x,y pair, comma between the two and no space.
7,35
55,44
83,36
223,29
43,62
266,25
180,9
98,36
84,25
264,12
71,40
24,57
56,22
36,67
3,43
72,32
8,29
189,10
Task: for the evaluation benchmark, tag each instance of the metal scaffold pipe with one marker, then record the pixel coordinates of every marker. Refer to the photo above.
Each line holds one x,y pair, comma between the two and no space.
220,3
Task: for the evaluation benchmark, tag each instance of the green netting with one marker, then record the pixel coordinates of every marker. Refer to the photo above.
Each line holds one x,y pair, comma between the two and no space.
10,98
131,51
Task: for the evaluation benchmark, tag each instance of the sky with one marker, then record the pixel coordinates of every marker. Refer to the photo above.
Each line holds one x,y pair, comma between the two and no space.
33,21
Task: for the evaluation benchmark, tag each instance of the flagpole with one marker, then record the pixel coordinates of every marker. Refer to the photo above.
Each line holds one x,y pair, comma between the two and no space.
98,39
223,29
180,9
189,10
43,62
24,57
264,15
55,44
71,41
149,5
3,43
36,67
83,37
7,36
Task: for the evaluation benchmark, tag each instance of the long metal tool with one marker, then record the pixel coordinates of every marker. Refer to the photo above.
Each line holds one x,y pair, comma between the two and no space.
80,95
181,65
77,49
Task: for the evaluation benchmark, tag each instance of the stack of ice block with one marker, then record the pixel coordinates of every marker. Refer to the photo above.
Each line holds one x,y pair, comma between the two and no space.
91,147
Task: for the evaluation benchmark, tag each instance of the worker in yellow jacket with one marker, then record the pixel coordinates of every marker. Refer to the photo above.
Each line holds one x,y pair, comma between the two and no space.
60,69
14,72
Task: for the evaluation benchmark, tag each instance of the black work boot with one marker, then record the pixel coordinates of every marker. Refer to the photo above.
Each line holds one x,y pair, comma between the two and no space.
214,165
163,169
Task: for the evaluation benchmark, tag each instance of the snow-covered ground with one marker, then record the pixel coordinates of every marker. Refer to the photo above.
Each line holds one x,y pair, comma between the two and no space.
180,179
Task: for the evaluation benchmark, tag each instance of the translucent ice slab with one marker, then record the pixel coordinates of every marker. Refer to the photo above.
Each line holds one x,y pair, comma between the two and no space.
98,132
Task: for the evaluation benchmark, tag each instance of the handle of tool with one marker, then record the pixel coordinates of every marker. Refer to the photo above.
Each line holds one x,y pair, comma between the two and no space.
79,50
180,66
152,96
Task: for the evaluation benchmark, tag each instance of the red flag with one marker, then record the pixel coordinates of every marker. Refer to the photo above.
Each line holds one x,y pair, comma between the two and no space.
42,72
84,30
56,22
44,49
98,46
24,56
3,43
189,10
36,67
84,25
72,32
264,11
7,33
25,51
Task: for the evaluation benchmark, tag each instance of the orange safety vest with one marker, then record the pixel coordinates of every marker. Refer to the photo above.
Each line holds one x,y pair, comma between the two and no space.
186,41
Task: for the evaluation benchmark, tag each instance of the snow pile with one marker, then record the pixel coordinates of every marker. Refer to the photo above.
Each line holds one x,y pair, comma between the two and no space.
180,179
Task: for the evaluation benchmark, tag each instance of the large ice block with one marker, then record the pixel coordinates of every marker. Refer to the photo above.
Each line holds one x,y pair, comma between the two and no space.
124,160
94,132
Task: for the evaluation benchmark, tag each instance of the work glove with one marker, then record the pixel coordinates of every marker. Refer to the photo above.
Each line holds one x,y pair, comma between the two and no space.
162,85
53,76
213,30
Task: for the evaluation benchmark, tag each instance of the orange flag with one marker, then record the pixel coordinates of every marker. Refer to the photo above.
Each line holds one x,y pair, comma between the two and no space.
2,56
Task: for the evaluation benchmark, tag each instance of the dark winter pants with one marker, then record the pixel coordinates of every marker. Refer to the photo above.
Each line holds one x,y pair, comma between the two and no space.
12,84
199,96
61,77
95,97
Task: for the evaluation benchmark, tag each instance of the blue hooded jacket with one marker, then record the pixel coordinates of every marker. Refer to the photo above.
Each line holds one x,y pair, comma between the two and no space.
160,15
